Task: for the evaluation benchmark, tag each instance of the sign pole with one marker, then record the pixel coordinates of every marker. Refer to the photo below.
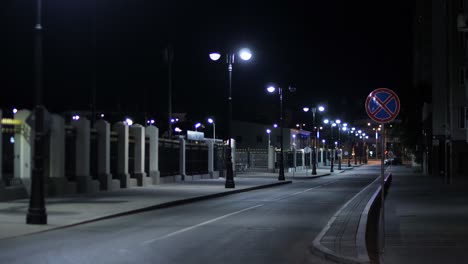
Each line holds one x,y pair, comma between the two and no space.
382,106
382,193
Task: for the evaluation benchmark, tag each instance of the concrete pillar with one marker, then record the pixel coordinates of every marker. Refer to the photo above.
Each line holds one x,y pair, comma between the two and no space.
271,159
324,156
233,155
210,144
83,156
138,133
182,158
303,159
1,151
23,145
152,133
103,156
294,159
57,184
121,129
57,147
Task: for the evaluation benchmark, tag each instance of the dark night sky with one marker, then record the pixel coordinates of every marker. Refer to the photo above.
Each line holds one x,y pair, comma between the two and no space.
332,51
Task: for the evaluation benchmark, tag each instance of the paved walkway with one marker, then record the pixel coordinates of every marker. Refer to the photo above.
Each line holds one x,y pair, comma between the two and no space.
76,209
426,220
343,239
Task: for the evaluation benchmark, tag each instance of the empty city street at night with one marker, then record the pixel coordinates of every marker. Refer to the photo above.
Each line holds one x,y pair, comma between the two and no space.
236,132
272,225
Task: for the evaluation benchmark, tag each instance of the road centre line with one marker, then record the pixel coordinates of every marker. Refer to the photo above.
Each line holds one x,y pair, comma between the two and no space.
199,225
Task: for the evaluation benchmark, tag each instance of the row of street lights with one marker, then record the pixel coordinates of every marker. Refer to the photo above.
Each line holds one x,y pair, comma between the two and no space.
36,212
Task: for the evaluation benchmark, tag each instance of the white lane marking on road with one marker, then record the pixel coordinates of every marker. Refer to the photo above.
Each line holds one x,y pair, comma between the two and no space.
200,224
303,191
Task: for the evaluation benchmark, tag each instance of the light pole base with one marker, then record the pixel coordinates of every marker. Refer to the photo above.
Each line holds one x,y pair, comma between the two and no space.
230,184
36,217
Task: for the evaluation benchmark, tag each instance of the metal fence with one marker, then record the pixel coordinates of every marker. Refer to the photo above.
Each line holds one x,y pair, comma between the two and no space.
8,154
196,158
219,159
251,159
131,155
169,157
93,163
70,153
307,159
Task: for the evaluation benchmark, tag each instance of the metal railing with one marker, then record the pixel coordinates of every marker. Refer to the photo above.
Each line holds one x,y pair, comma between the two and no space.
196,158
169,157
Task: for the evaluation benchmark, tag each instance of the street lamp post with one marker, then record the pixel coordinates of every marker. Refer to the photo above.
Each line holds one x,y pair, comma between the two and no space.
37,211
272,89
332,124
314,151
360,149
211,121
269,139
338,122
324,158
244,54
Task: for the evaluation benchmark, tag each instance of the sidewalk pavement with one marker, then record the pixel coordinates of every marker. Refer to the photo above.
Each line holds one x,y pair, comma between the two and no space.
72,210
425,219
343,239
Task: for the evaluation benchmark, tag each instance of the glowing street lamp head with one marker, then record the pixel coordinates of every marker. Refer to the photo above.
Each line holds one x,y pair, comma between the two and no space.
245,54
210,120
275,125
338,121
294,135
268,131
197,125
306,109
129,121
321,108
271,89
15,110
326,121
215,56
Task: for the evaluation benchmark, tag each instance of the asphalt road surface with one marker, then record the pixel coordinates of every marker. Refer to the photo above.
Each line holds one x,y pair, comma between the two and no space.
273,225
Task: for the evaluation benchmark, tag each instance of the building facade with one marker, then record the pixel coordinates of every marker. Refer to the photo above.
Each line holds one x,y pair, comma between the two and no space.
440,58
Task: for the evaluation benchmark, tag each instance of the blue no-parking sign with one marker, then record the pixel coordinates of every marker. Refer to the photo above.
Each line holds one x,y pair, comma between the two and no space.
382,105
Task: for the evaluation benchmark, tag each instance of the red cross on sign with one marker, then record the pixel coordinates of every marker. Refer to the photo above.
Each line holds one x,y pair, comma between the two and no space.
382,105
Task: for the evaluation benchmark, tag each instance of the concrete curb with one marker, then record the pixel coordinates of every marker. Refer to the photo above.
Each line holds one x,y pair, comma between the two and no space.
362,229
325,252
160,206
